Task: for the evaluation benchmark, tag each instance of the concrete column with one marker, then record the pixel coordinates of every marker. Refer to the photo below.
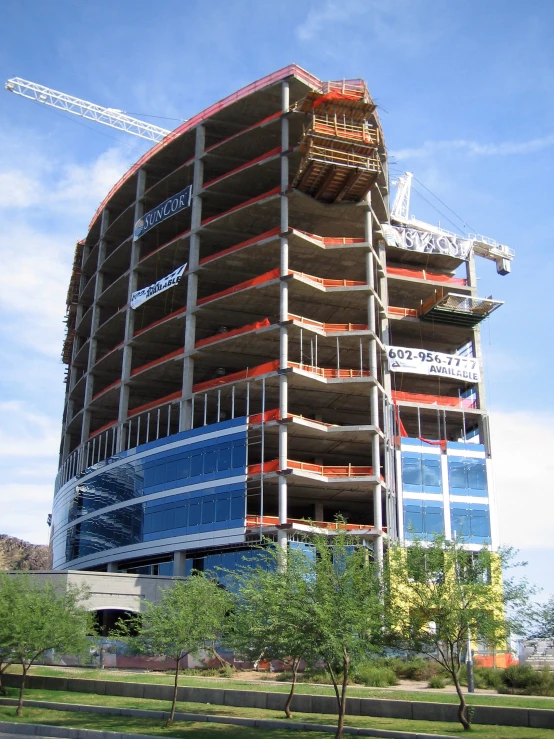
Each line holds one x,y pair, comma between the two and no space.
130,316
185,416
111,567
95,322
179,560
319,513
374,393
284,307
477,352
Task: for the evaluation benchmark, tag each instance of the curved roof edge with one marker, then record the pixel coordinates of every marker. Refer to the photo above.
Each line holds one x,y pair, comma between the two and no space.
288,71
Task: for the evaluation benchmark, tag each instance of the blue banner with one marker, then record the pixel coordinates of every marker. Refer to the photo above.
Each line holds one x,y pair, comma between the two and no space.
168,208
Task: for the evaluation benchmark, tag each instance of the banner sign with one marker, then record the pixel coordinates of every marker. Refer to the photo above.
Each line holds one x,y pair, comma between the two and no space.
414,239
421,362
172,205
141,296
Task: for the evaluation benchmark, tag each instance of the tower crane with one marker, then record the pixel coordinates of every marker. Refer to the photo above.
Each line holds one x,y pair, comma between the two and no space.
119,120
108,116
482,245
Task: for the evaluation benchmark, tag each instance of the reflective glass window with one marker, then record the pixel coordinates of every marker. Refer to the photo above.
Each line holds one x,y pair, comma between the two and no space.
477,474
222,507
411,470
239,454
431,472
224,457
181,516
413,519
208,509
159,473
194,514
169,517
210,461
238,504
196,464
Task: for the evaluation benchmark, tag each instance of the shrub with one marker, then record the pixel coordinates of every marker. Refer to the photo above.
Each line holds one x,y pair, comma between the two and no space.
374,675
416,668
487,677
436,682
315,675
524,680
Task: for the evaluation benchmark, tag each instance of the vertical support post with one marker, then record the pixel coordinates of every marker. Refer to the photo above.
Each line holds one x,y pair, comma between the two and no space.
478,354
374,393
185,416
130,316
179,564
284,310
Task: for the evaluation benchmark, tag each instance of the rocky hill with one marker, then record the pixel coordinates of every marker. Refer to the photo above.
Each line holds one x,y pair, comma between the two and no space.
21,555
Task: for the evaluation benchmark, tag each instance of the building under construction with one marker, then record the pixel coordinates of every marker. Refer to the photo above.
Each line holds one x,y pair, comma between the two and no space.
255,345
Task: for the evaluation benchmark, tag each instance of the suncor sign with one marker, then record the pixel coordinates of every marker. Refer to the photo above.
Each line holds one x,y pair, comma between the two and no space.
168,208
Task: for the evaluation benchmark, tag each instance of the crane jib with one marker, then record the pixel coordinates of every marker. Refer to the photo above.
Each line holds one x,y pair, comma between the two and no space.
168,208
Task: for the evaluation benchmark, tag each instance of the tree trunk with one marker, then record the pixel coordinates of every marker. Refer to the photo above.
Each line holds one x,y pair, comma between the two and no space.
462,708
342,702
175,688
295,664
19,710
3,690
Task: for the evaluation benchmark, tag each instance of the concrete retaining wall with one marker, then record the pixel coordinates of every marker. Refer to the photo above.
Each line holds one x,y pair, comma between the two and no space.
501,715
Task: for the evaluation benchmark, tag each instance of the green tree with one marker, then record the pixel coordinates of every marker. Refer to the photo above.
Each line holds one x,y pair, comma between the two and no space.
441,595
346,608
8,592
269,615
544,623
38,617
188,618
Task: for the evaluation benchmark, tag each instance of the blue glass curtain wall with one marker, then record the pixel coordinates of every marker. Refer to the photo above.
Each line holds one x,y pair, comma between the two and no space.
188,462
423,519
471,521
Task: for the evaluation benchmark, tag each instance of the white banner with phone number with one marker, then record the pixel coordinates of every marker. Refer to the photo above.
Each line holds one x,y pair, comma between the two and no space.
434,364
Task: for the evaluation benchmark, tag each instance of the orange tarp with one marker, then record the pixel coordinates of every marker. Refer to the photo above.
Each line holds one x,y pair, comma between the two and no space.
267,155
177,353
397,395
179,312
261,369
425,275
324,470
263,196
154,404
267,277
234,332
237,247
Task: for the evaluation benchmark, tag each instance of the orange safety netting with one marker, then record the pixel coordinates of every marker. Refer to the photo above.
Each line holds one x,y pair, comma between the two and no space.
111,386
115,348
398,395
272,415
261,158
179,312
328,283
105,427
403,312
329,240
233,332
329,372
154,403
432,442
263,196
425,275
254,240
177,353
318,469
255,522
261,369
331,327
335,95
274,274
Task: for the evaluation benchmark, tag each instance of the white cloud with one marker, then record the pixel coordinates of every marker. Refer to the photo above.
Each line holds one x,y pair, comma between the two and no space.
25,508
523,465
473,148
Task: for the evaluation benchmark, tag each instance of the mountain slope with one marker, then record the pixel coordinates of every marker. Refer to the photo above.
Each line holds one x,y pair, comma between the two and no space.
16,554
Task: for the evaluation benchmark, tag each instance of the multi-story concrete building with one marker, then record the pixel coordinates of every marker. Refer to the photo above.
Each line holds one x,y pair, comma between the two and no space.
297,356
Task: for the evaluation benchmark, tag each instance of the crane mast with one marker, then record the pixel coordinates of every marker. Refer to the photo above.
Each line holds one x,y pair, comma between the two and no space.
108,116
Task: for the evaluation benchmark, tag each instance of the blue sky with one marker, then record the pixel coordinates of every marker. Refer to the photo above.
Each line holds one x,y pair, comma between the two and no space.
466,100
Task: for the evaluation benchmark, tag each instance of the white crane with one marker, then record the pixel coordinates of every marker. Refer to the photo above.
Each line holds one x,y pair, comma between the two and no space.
482,245
108,116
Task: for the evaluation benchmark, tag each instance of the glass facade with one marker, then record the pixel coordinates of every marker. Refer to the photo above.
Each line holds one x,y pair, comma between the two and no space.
188,483
433,477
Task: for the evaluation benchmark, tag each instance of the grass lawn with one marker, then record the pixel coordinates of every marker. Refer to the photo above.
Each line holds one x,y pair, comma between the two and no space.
154,726
432,696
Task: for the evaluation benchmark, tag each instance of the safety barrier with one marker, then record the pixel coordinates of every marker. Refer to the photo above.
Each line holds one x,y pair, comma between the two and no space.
317,469
254,522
